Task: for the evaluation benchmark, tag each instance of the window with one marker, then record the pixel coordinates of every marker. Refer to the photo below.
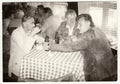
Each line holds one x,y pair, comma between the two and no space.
97,15
112,22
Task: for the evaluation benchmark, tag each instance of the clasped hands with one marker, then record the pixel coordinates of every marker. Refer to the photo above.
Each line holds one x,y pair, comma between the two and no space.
34,34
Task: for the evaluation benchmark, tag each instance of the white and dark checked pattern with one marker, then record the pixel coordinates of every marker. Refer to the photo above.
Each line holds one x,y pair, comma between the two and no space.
47,65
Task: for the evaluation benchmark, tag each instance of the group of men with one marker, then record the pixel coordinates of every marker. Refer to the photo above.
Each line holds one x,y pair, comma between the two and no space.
76,33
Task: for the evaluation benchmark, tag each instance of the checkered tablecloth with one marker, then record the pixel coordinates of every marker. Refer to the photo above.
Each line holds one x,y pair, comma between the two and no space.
47,65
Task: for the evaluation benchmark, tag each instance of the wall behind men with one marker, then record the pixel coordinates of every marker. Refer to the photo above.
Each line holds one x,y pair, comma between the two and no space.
60,6
85,7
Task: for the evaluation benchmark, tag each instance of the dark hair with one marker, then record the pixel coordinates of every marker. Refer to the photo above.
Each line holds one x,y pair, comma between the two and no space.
48,10
40,6
30,10
24,3
87,17
26,17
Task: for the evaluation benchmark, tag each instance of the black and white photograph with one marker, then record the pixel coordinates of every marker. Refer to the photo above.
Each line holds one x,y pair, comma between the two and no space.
53,41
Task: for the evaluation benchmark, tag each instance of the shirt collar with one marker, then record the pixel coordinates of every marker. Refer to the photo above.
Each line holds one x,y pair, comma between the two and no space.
67,26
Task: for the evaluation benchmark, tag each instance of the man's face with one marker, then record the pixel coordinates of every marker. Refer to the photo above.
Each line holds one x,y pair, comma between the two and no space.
32,12
40,11
70,18
82,23
30,24
24,4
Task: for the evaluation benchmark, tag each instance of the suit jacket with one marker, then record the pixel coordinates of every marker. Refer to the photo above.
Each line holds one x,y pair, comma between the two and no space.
20,45
99,62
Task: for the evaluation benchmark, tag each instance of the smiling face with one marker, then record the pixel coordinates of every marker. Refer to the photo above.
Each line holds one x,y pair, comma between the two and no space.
70,18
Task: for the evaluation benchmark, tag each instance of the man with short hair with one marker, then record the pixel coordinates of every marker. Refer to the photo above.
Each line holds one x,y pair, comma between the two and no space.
22,41
67,27
99,62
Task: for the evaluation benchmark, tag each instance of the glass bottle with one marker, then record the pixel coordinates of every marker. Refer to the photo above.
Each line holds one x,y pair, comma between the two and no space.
47,39
57,38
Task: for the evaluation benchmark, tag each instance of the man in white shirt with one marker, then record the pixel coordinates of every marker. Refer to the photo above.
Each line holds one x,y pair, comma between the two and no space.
22,41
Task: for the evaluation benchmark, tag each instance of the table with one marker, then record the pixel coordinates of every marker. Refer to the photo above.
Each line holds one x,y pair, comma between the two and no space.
47,65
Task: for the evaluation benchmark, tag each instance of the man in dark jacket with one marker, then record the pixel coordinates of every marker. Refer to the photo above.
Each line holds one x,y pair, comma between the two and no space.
99,62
